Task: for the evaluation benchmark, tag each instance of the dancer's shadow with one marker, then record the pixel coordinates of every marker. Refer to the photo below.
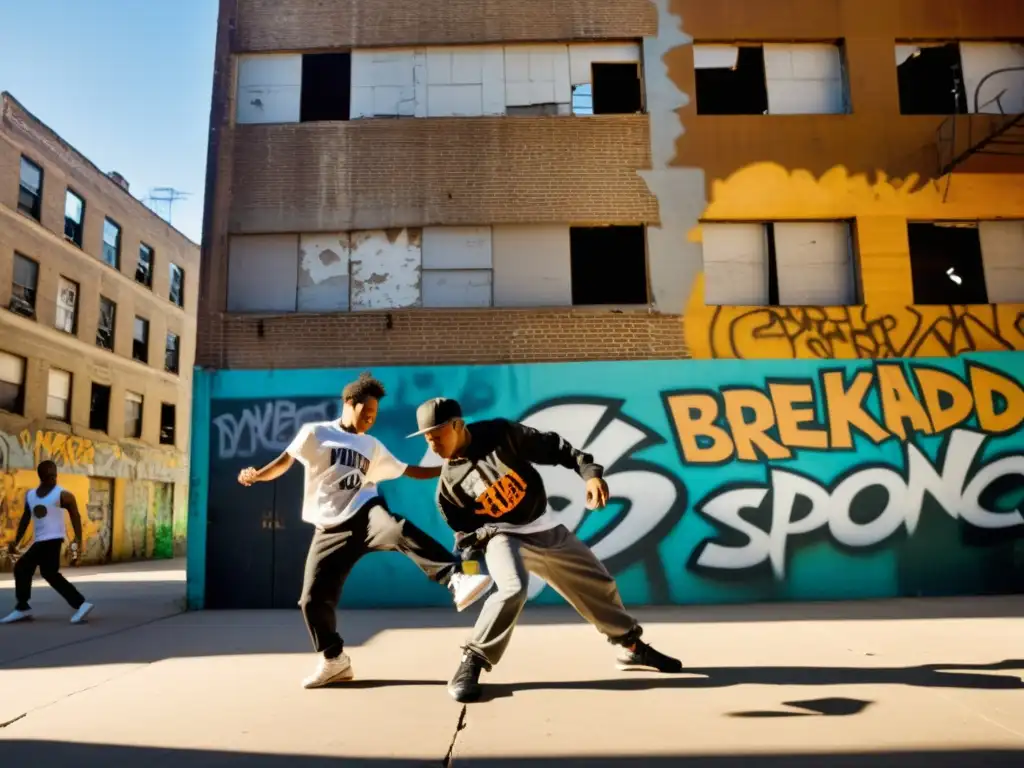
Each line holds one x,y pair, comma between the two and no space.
692,678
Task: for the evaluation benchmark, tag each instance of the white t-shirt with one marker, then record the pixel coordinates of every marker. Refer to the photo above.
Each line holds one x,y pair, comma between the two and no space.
47,514
342,471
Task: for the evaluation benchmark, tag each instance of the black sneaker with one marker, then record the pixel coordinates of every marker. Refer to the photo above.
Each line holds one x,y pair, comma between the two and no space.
643,657
465,686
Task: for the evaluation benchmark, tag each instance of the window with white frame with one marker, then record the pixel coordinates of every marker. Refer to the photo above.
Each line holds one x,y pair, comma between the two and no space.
67,306
457,267
793,263
58,395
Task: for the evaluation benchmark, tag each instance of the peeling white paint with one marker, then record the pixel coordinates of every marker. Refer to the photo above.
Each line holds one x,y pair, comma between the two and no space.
324,272
385,269
674,262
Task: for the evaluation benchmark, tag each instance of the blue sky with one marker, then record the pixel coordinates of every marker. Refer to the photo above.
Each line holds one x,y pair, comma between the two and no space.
126,82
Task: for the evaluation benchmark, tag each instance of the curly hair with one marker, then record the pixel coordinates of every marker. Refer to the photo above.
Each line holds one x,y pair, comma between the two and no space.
362,389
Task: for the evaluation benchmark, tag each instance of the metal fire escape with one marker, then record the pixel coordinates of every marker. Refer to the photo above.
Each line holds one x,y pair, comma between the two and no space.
1002,134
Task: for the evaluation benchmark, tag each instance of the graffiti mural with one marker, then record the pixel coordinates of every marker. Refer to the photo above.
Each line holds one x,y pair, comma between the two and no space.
730,481
122,492
861,332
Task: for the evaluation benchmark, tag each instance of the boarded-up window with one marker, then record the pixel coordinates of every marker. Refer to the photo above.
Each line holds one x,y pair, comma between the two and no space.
132,414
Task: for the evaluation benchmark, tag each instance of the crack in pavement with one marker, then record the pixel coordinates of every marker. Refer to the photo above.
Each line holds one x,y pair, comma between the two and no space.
90,639
66,696
449,758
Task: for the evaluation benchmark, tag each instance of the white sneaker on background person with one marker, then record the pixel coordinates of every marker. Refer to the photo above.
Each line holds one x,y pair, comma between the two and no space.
15,616
82,613
467,589
335,670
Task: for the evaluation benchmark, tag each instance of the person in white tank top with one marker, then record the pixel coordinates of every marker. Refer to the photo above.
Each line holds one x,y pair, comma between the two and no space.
44,508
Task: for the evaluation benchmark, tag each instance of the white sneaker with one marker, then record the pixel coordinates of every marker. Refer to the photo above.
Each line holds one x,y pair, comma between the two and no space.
466,589
330,671
15,616
82,613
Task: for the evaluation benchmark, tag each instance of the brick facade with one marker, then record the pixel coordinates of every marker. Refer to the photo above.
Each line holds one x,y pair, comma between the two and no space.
438,337
442,171
386,173
302,25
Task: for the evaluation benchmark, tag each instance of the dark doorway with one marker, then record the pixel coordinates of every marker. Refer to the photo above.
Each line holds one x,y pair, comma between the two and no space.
326,87
609,265
946,264
931,82
617,89
741,90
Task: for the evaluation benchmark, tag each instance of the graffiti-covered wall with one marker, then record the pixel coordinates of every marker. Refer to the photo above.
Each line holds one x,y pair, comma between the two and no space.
731,481
133,500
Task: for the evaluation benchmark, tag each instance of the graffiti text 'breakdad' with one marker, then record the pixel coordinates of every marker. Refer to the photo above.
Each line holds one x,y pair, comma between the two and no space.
824,414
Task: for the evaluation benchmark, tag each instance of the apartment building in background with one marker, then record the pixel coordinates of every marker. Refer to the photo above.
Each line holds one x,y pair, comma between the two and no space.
98,299
425,183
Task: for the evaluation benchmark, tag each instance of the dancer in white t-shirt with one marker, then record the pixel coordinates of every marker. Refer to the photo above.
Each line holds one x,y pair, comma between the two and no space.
45,507
343,467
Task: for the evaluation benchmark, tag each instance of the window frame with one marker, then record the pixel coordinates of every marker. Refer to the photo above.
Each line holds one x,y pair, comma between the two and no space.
36,210
113,323
19,398
148,282
65,417
174,424
74,309
145,325
70,192
172,267
177,353
117,247
130,398
34,289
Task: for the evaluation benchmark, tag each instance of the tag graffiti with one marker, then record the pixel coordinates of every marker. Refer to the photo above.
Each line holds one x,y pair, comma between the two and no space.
869,504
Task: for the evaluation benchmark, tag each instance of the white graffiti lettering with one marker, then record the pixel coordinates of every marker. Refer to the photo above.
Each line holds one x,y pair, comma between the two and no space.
269,426
650,494
839,510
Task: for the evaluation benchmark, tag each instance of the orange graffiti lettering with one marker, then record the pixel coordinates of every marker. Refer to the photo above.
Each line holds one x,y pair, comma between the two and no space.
845,409
786,397
899,403
933,384
986,384
752,435
65,450
694,418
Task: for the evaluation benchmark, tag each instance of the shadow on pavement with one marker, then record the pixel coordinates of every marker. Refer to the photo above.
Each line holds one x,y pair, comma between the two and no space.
927,676
58,754
832,707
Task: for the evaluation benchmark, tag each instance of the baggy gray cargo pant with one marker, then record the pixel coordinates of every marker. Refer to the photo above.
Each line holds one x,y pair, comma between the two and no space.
568,566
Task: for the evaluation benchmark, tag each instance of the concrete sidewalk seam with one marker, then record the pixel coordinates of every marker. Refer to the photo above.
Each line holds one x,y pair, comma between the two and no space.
14,720
90,639
449,758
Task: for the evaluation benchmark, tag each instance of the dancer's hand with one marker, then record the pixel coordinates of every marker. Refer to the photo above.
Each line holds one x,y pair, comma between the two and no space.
247,476
597,493
76,549
12,549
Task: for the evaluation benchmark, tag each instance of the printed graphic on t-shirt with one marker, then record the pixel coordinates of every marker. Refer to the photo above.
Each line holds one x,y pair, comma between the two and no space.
39,511
497,498
358,466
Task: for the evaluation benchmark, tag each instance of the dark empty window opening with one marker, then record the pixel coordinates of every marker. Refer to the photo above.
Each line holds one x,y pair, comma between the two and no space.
616,88
167,418
931,82
99,407
739,90
326,81
946,264
609,265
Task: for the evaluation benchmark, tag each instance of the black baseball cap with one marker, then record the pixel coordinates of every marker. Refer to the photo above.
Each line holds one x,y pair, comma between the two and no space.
436,413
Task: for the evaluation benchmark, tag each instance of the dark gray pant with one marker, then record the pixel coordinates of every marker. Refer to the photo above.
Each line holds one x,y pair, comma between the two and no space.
334,552
44,555
568,566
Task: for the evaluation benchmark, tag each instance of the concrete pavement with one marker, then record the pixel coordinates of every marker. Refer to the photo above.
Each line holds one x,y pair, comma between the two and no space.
931,682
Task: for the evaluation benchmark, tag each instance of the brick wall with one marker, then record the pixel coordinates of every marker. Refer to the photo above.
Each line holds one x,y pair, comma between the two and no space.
433,337
276,25
479,170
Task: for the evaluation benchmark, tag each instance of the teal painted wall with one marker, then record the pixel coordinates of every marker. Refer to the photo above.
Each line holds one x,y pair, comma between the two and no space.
926,499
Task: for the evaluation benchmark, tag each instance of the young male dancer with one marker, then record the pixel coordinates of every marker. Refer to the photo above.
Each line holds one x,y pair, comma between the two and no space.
490,493
47,505
343,465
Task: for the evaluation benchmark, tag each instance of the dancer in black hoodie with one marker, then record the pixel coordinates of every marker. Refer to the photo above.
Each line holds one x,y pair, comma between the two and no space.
491,495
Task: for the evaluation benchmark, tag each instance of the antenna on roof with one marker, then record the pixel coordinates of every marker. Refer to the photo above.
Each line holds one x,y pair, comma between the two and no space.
164,196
